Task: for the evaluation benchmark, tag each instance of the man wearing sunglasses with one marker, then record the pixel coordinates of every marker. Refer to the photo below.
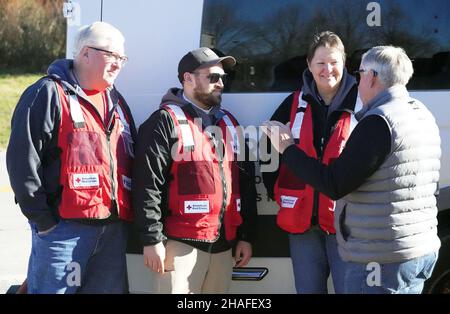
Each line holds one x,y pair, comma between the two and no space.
193,191
387,176
69,161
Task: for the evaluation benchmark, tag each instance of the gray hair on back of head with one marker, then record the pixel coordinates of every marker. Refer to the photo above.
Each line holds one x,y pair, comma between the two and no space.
97,34
391,63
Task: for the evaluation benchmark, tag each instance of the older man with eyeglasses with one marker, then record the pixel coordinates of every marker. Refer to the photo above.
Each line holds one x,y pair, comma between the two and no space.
387,175
193,191
69,160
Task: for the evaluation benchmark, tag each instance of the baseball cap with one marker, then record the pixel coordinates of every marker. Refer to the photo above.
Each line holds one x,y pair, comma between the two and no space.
202,57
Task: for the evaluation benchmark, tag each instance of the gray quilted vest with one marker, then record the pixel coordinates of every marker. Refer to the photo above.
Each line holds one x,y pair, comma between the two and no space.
391,217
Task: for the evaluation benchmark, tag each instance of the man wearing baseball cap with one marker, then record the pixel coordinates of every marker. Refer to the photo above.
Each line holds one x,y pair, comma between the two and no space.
193,190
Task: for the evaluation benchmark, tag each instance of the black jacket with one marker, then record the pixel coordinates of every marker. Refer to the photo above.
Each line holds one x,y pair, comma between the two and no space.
151,177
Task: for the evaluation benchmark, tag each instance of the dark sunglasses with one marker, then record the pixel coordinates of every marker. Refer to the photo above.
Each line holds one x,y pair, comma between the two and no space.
357,73
214,77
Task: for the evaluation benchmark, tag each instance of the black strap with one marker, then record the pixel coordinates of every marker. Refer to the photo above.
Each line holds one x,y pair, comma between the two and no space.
301,109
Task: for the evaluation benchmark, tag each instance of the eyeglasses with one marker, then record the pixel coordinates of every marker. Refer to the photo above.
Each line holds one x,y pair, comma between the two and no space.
357,73
213,77
112,56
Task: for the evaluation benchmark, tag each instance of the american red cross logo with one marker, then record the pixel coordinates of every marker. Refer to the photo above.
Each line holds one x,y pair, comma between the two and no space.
78,180
189,207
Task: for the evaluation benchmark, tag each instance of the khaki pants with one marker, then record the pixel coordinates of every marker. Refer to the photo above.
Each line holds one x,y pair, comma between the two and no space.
189,270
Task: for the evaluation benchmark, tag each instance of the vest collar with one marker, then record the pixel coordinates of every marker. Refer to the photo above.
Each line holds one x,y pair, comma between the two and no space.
385,96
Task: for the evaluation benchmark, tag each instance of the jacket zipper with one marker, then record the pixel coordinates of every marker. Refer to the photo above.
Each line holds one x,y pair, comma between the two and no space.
224,184
108,131
320,158
114,202
315,214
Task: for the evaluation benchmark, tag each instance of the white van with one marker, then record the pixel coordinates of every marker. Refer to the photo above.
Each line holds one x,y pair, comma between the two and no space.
269,39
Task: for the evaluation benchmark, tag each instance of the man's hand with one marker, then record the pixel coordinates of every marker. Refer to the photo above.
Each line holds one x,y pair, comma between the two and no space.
243,253
154,256
280,135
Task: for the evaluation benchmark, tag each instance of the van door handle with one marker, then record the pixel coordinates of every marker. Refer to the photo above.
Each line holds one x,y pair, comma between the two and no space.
249,273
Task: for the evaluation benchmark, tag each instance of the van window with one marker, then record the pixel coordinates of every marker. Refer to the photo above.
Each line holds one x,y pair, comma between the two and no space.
270,38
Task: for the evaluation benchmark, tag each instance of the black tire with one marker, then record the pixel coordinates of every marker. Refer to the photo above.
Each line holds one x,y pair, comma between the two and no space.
12,289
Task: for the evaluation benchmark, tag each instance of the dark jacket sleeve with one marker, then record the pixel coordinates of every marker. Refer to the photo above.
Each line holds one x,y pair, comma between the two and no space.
246,231
282,114
151,173
33,140
366,149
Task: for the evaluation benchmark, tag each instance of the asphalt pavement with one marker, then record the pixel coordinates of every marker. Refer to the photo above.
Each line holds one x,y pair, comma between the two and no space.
15,237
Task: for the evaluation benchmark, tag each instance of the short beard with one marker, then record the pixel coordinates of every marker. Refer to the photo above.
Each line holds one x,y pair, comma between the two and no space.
207,99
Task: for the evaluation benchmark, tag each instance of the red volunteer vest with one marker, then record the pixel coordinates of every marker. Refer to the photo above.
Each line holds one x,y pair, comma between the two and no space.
95,167
204,190
295,197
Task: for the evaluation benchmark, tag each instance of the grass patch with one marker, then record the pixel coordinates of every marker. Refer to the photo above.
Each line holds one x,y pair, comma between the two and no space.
12,86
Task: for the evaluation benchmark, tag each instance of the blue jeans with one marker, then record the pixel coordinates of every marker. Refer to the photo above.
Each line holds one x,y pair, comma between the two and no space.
314,254
78,258
402,278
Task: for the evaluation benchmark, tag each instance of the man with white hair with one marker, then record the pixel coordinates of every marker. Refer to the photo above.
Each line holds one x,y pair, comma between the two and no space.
69,161
387,176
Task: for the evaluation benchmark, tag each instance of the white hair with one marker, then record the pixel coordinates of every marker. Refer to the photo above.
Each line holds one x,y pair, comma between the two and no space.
391,63
97,34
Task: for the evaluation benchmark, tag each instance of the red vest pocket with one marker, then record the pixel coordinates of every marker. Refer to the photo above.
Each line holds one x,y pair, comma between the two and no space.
195,177
234,178
124,195
232,219
195,218
287,180
84,193
85,149
290,216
